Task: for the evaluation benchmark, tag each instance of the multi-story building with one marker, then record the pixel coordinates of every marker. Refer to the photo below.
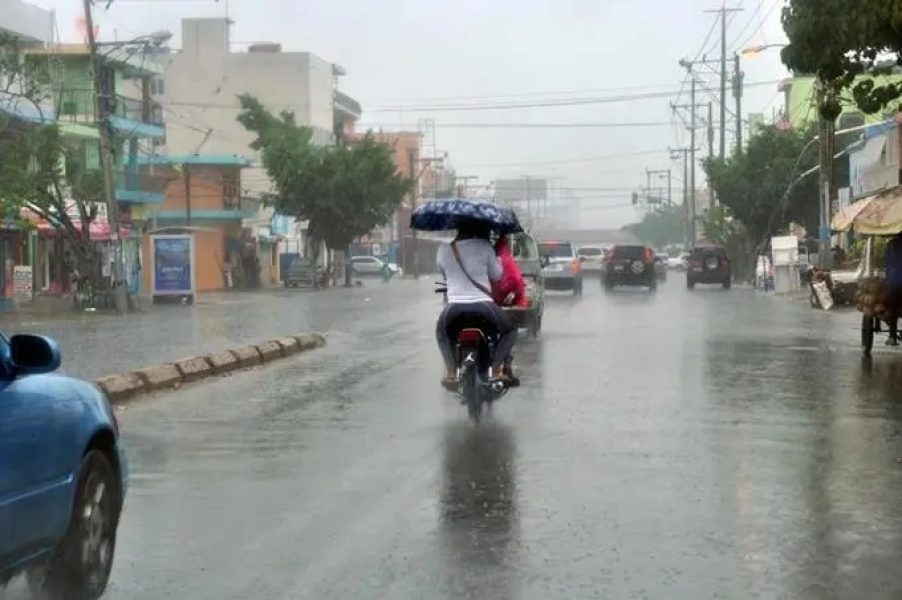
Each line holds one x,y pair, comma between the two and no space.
800,103
31,27
137,128
203,197
199,89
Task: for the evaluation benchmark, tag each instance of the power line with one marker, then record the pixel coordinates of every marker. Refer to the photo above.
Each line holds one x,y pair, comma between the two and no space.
429,99
764,19
534,125
564,161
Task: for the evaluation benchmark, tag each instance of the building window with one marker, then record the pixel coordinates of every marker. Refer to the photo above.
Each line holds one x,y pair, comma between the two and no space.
231,198
157,87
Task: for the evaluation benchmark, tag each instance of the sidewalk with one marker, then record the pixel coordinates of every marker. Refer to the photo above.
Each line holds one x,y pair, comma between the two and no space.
97,344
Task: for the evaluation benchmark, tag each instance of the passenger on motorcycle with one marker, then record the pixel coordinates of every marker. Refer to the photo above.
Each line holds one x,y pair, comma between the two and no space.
469,265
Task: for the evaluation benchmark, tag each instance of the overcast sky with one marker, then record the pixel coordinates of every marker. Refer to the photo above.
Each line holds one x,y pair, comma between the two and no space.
491,52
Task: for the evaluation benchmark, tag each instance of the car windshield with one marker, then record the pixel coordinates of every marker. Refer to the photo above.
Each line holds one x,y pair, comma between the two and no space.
556,249
589,251
524,248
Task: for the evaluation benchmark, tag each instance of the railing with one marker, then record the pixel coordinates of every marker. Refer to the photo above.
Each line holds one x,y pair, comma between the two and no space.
133,108
139,181
77,106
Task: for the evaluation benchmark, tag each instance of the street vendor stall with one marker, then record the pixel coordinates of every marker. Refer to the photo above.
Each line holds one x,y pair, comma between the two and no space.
877,215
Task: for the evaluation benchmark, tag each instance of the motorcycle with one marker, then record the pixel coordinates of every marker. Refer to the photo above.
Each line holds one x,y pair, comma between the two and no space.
475,350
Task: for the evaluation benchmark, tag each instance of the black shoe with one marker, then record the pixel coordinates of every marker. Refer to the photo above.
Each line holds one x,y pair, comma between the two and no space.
892,341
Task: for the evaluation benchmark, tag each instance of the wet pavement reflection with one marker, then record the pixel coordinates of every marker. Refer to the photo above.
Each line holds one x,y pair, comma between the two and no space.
676,445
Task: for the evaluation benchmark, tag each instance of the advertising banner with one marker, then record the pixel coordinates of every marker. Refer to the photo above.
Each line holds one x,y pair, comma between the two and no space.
173,265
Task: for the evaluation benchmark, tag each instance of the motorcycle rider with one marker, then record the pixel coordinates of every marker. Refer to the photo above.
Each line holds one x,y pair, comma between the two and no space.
469,265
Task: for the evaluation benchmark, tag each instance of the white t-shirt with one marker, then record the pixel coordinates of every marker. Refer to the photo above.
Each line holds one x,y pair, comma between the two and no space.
480,261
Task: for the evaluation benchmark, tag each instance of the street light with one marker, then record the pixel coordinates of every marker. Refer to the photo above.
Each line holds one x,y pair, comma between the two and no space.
752,50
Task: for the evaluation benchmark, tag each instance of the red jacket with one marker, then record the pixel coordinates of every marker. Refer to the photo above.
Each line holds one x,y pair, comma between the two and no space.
511,283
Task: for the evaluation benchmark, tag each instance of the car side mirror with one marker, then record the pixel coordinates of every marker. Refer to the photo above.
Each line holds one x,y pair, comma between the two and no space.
582,259
31,354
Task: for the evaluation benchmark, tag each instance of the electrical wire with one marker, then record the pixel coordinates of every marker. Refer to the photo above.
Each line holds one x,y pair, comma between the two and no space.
764,19
564,161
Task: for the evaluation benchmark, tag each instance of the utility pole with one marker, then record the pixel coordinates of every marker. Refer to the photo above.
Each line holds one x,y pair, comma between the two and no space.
711,130
825,133
186,169
723,10
414,266
738,76
102,99
692,166
660,172
684,152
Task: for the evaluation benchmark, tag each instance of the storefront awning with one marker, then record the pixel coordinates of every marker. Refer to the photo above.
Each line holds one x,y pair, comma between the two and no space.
877,214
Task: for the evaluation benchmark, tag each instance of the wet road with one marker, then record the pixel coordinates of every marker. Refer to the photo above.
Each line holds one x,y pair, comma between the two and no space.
681,445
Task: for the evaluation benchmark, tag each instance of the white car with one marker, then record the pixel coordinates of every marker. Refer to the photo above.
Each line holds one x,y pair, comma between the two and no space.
677,263
372,266
592,257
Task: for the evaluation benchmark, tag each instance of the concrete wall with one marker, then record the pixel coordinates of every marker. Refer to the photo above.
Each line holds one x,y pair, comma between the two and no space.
209,258
27,21
201,84
206,187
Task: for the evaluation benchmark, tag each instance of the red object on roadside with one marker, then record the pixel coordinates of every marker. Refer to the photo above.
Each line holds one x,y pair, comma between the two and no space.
512,280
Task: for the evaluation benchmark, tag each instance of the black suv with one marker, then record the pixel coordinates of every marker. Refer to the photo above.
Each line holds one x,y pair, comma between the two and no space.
629,265
709,264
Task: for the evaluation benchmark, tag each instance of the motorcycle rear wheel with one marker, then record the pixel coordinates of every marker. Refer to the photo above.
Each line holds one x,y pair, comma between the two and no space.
472,393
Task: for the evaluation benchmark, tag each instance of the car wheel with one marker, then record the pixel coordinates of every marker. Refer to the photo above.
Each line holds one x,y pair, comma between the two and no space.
79,567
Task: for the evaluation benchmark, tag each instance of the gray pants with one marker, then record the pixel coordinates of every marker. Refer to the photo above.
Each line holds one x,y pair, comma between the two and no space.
485,315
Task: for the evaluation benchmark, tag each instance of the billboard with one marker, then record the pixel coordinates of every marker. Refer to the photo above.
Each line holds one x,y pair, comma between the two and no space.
173,265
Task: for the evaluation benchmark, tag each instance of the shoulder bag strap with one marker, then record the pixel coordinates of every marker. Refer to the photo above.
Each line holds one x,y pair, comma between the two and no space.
460,263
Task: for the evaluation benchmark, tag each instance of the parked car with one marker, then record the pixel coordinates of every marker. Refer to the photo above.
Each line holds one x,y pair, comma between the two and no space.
63,474
709,264
661,267
372,266
526,253
301,272
592,257
678,263
564,268
630,265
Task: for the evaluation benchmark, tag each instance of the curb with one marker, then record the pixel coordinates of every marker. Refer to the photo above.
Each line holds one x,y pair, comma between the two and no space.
122,387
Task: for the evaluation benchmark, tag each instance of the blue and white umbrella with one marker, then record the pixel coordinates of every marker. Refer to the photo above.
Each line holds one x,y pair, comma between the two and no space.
442,215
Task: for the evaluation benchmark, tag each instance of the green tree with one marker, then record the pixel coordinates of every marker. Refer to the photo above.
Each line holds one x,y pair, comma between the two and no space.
760,190
37,166
660,227
841,40
342,191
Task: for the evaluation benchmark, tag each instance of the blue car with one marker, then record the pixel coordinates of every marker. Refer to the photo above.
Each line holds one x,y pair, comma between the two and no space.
62,475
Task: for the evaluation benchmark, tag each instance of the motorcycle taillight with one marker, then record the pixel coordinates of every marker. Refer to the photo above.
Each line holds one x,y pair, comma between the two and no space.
469,336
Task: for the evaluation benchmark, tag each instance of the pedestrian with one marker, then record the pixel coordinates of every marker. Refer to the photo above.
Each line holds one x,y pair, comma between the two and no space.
893,261
510,290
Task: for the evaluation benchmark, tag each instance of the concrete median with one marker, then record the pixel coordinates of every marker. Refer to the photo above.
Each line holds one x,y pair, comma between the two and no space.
123,387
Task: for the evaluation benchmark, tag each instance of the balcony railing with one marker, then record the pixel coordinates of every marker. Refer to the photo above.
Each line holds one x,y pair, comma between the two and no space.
77,106
137,186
